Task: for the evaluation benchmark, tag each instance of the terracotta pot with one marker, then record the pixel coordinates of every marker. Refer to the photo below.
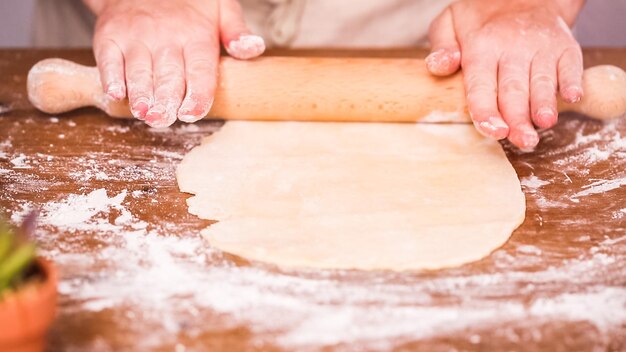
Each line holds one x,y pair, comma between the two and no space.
26,315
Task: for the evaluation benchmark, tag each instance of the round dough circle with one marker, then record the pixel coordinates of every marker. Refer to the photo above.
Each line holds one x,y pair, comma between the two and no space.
353,195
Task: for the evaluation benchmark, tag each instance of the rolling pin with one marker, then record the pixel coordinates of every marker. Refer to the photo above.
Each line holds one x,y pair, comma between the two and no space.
317,89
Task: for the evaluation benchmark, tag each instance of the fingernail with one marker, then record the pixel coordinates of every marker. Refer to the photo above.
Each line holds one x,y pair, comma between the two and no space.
498,123
246,46
155,114
162,115
192,111
140,108
529,139
493,127
115,91
546,117
573,94
440,61
432,57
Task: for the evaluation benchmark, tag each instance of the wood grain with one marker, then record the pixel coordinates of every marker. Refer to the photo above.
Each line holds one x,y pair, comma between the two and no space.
556,285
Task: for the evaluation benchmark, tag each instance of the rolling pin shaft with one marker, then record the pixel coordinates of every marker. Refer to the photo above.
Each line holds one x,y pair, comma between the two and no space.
316,89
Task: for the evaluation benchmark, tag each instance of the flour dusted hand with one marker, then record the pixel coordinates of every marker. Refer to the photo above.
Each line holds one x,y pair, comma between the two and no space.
514,55
163,55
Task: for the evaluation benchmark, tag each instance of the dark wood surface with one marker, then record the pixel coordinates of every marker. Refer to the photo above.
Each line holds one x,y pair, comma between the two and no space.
136,276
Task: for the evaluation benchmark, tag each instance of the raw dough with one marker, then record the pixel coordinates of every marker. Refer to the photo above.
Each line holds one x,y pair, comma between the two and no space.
353,195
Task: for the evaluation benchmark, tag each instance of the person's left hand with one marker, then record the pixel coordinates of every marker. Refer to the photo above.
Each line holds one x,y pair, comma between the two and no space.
514,55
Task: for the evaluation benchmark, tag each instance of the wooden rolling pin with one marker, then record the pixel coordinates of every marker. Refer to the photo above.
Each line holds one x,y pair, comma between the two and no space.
317,89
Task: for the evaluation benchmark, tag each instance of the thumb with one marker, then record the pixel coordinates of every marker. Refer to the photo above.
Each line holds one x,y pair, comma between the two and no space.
445,55
238,40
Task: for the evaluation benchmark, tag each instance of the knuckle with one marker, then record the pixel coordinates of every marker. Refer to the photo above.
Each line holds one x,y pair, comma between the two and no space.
515,114
543,80
481,86
513,85
137,71
170,79
136,48
480,77
169,69
138,86
570,75
135,94
103,45
574,47
573,54
478,92
545,56
201,61
169,90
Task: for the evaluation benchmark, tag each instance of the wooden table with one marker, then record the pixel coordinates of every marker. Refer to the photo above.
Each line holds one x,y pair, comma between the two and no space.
136,276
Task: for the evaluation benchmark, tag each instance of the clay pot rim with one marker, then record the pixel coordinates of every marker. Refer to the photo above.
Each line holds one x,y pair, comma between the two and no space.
27,312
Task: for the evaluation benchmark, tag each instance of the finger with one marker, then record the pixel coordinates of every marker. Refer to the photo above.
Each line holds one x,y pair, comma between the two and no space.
570,72
139,79
111,66
543,84
513,101
238,40
445,55
480,78
169,86
201,79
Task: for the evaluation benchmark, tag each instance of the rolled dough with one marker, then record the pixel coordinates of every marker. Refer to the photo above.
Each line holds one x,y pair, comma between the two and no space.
353,195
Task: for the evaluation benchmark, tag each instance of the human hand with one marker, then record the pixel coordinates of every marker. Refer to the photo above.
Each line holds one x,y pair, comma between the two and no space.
514,55
163,55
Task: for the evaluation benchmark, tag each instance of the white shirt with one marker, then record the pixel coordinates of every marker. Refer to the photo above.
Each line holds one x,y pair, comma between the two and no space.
343,23
285,23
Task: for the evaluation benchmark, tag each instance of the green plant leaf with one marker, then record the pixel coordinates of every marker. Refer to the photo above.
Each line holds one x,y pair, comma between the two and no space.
15,263
6,241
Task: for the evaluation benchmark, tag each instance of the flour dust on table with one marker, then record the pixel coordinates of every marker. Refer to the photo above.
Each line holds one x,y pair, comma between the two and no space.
559,278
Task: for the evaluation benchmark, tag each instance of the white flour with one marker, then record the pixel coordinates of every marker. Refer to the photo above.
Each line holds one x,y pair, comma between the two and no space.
20,162
532,183
574,161
599,187
152,268
177,283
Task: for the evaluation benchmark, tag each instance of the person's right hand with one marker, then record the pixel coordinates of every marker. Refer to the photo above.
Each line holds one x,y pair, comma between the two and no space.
163,55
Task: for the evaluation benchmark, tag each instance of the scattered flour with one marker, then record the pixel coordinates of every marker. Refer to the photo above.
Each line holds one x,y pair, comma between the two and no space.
20,162
595,145
118,129
532,183
601,186
4,109
170,280
83,212
592,148
529,249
